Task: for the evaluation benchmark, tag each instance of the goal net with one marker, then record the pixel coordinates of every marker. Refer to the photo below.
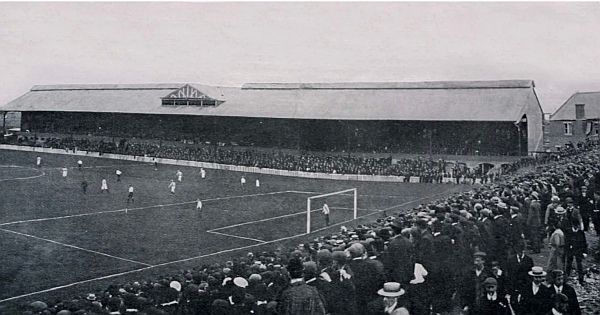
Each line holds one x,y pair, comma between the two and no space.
342,207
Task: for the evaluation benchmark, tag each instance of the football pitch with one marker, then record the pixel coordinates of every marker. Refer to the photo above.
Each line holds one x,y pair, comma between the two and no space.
55,238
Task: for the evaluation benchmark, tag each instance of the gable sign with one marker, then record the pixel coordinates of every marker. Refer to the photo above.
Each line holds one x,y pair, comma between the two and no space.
187,92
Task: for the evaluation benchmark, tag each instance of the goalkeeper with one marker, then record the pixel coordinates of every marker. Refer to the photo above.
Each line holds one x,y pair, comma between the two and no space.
326,213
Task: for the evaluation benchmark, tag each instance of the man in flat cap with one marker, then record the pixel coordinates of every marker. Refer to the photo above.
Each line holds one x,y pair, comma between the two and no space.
367,279
572,214
471,287
399,255
534,223
517,267
501,232
492,302
551,216
299,298
585,202
576,248
559,286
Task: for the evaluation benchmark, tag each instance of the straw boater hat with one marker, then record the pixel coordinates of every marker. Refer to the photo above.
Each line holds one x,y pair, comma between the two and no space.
560,210
537,272
391,289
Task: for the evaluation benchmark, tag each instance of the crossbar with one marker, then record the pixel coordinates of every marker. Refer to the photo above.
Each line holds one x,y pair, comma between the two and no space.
334,193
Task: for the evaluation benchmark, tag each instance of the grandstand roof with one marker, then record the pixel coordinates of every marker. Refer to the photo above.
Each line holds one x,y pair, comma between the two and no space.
433,101
591,100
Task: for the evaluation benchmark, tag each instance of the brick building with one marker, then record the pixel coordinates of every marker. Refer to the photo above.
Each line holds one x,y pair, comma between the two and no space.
577,120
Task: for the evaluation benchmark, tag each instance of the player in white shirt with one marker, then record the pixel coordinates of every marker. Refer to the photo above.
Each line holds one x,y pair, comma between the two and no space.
243,181
202,173
172,186
104,186
179,175
326,213
65,171
38,161
129,196
118,172
80,164
257,183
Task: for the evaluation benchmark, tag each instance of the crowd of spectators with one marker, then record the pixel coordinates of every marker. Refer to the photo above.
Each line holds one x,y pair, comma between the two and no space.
429,170
466,252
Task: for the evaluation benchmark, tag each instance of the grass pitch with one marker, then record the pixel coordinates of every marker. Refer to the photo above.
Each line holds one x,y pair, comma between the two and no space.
56,240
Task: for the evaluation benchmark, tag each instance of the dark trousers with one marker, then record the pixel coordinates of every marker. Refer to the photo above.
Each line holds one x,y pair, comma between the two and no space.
327,219
596,221
585,217
578,259
535,238
420,300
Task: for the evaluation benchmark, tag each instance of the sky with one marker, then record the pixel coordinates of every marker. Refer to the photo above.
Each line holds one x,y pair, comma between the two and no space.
555,44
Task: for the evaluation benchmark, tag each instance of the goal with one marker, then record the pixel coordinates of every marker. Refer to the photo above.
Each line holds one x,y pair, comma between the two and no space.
337,200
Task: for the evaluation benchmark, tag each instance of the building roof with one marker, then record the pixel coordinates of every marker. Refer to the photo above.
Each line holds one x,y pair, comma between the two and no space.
591,100
433,101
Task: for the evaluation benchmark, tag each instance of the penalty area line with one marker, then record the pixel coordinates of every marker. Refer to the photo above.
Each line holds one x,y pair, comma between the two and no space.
75,247
186,259
284,216
126,210
236,236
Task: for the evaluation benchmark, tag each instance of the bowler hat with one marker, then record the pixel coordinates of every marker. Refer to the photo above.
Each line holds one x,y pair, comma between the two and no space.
479,254
557,272
490,281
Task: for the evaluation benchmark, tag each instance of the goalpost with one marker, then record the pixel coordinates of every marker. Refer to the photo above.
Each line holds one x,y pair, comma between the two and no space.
309,200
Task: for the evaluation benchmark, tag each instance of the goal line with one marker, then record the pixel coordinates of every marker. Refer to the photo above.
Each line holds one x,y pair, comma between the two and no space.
353,192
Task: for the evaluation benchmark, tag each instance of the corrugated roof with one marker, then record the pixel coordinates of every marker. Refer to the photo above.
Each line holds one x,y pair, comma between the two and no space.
436,101
156,86
567,110
395,85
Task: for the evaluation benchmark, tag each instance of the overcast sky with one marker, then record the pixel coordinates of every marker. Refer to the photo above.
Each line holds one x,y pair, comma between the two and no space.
555,44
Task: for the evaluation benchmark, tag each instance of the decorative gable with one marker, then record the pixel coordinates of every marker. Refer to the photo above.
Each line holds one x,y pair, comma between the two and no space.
188,95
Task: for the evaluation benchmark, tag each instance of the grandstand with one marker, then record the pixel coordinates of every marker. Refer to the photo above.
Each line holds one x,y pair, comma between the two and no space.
447,118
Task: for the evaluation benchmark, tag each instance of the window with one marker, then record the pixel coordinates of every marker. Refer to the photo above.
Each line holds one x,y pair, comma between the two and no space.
190,102
568,128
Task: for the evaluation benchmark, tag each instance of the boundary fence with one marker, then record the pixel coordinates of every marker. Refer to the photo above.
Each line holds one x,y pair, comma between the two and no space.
236,168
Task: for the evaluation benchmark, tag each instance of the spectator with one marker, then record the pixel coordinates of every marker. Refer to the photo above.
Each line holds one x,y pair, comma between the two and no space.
389,301
299,298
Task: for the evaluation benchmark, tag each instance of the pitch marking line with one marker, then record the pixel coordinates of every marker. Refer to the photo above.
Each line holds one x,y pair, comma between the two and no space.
138,208
76,247
183,260
273,218
41,173
236,236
